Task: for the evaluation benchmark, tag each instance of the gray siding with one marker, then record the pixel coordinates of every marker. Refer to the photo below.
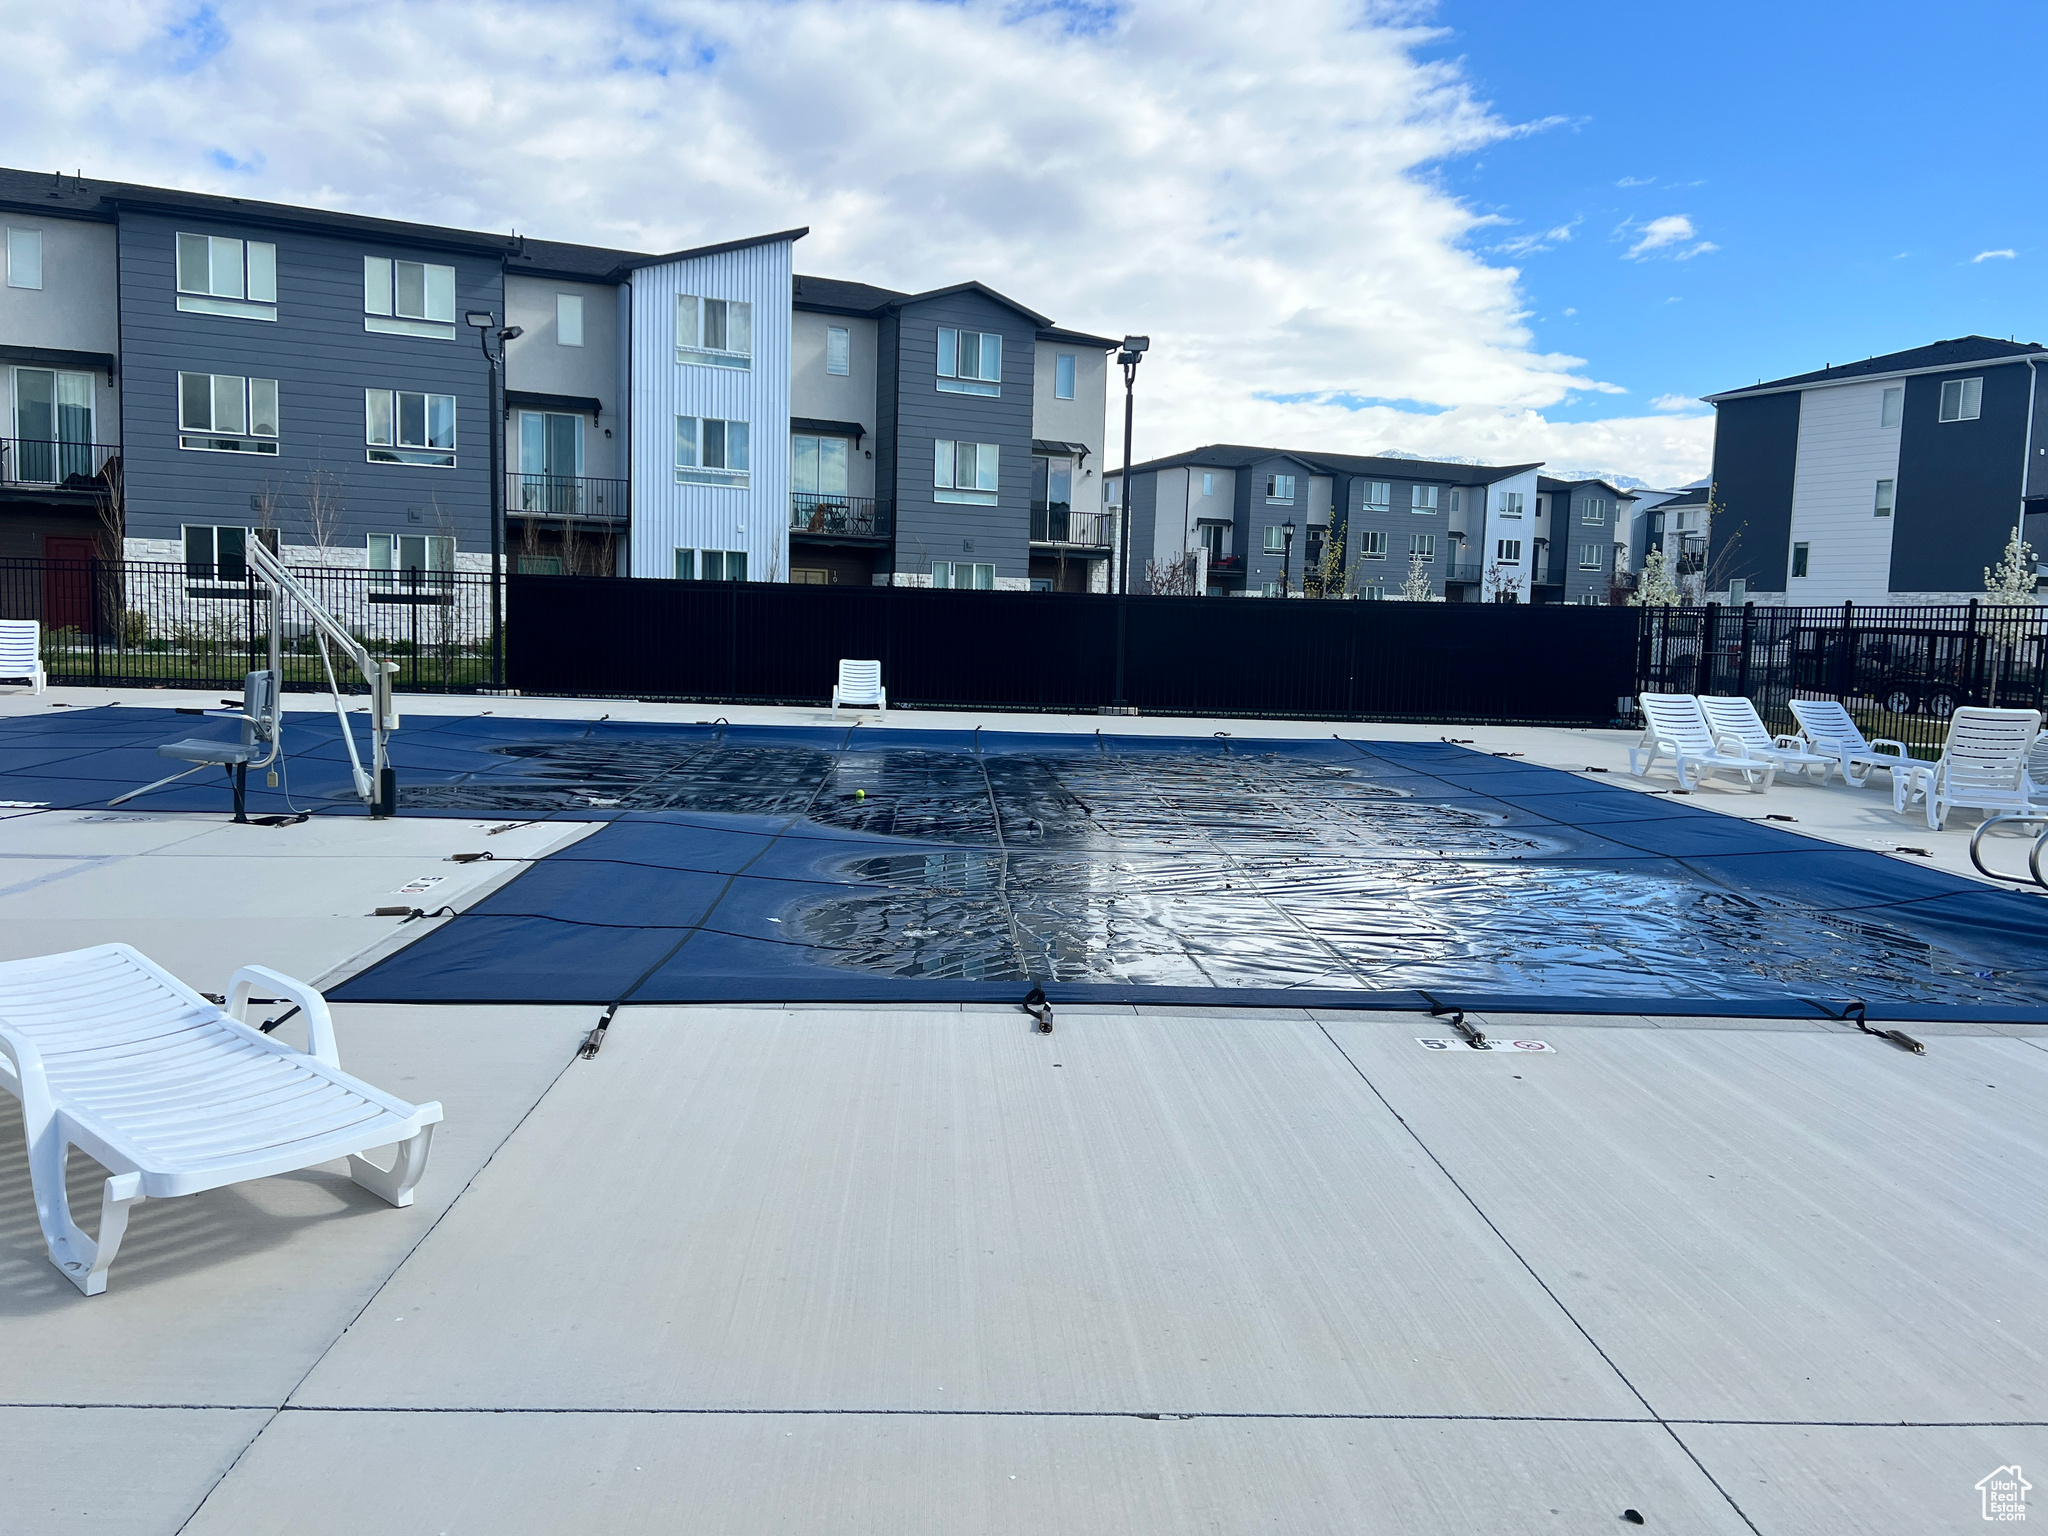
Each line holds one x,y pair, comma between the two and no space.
1958,497
888,378
1756,446
1257,514
927,529
323,360
1578,583
2037,462
1144,513
1399,521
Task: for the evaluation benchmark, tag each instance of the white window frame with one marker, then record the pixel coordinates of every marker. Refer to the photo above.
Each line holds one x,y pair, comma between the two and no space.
1378,495
984,481
225,275
67,455
1802,556
1276,539
1280,489
385,416
1457,499
1208,483
1590,556
252,401
213,563
1593,512
1372,544
734,450
1422,545
1511,504
839,350
1507,551
1887,496
1422,498
568,319
1063,375
698,316
980,574
1968,398
389,311
953,375
732,564
1891,408
387,557
24,257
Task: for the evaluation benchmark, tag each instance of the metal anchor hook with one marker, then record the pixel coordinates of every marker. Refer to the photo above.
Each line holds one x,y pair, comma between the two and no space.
1853,1013
1455,1017
1036,1005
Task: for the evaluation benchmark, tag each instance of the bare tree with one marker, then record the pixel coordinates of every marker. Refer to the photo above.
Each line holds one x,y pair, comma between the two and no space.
1327,580
1503,585
109,501
324,492
1174,578
1416,589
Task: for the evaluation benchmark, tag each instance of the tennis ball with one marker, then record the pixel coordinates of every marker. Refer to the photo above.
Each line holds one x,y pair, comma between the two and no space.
860,794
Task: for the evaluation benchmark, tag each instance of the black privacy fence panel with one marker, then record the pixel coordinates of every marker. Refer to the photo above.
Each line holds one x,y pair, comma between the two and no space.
763,642
172,624
1901,671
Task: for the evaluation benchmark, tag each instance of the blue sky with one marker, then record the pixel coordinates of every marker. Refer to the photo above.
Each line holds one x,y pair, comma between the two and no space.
1848,161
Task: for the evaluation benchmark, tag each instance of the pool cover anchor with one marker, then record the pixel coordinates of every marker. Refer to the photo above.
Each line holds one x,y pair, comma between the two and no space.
594,1041
1455,1017
1853,1013
1039,1008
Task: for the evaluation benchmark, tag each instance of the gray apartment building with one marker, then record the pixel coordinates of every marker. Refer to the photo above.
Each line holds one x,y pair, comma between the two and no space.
1254,522
185,372
1582,540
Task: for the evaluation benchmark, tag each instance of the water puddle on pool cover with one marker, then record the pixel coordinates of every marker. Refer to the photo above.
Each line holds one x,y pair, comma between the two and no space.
1230,869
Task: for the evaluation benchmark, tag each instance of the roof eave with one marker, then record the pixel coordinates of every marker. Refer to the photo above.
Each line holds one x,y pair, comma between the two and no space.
625,268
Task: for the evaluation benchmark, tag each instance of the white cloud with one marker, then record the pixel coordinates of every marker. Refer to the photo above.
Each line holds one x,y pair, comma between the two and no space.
1535,242
1994,256
1260,198
1671,236
1674,403
1635,181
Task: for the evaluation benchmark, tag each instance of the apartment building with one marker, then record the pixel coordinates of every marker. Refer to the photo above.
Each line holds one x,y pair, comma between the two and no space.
185,372
1230,520
1897,479
1582,540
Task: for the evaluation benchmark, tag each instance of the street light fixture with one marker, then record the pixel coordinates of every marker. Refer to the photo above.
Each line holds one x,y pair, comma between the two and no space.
1132,353
1286,556
487,326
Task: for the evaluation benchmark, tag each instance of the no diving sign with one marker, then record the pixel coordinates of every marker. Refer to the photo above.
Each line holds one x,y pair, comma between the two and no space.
1489,1045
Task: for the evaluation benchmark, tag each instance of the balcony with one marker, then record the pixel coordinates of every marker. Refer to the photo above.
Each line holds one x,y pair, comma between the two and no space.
1465,570
573,496
1084,530
1692,554
832,519
43,465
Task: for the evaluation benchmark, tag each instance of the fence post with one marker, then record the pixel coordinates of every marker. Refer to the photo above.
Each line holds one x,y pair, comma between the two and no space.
1845,653
92,572
1742,664
1709,623
1973,658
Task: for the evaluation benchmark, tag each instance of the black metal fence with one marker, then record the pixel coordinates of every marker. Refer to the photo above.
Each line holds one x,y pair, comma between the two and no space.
1900,671
766,642
135,623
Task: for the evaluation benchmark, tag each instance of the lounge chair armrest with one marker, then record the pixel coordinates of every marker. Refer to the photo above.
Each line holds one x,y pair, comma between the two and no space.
1888,741
30,1085
319,1023
1790,742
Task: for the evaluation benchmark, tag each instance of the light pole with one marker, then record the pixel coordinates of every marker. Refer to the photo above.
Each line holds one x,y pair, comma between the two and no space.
1133,353
1286,556
487,326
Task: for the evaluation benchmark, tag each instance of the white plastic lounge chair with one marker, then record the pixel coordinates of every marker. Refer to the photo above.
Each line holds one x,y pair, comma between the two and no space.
1829,729
860,686
1675,727
113,1055
21,657
1983,765
1737,728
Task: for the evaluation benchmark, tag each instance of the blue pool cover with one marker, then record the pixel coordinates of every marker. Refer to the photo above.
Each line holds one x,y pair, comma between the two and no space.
765,864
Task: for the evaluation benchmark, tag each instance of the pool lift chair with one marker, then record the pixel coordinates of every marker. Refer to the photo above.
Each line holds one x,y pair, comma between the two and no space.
261,710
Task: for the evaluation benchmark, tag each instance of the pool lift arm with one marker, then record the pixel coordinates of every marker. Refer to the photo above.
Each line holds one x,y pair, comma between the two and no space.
378,787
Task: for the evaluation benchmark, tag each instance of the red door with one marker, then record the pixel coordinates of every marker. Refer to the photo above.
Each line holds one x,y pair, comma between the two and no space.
67,582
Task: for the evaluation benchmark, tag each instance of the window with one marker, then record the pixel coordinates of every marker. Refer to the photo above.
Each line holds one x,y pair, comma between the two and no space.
686,565
1215,539
1372,544
550,462
24,258
963,574
1270,589
410,559
965,472
838,349
1457,499
1508,551
1893,406
1422,546
714,333
408,298
1591,556
817,466
1589,600
1799,556
1961,399
722,565
215,553
712,452
1279,487
1112,493
1421,498
220,276
970,362
404,426
1063,376
223,413
1884,499
568,319
1052,500
1688,521
1593,511
1511,504
52,425
1208,485
1276,538
1373,594
1379,495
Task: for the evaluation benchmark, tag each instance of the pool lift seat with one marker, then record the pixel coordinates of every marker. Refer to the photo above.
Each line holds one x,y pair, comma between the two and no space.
261,741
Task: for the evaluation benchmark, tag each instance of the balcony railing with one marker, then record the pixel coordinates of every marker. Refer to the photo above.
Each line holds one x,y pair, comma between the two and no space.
1058,525
597,501
840,517
1226,565
48,463
1465,570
